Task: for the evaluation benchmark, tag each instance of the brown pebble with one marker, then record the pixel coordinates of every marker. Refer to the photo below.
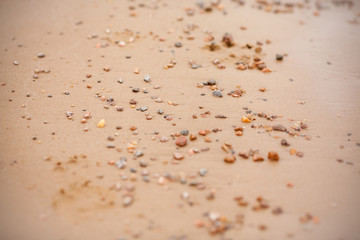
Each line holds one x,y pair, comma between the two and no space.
229,158
193,137
181,141
279,127
244,154
257,158
273,156
178,156
299,154
285,143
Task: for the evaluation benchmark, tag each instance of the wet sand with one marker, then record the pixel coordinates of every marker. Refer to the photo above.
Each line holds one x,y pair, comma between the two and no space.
59,177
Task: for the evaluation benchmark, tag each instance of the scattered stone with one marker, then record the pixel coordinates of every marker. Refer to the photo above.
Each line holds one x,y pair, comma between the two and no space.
135,90
245,119
273,156
142,163
285,143
211,82
279,57
138,153
203,171
279,127
41,55
228,40
244,154
121,163
229,158
181,141
257,158
101,123
178,156
110,145
184,132
147,78
217,93
143,109
128,201
192,137
178,44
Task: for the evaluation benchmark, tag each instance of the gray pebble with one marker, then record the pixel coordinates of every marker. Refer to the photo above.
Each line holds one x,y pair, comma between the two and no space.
203,172
147,78
184,132
217,93
211,82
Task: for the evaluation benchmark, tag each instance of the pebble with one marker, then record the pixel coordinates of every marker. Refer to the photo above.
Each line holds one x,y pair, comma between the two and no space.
244,154
101,123
279,57
160,111
192,137
121,163
138,153
217,93
184,132
229,158
142,163
16,63
147,78
211,82
181,141
203,171
135,89
143,109
257,158
178,156
245,119
279,127
285,143
128,201
110,145
41,55
273,156
178,44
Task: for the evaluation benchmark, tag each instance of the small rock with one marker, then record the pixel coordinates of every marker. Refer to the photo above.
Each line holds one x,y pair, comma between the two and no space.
101,123
279,57
178,156
178,44
143,109
217,93
229,158
273,156
128,201
211,82
257,158
138,153
135,89
192,137
203,171
147,78
279,127
181,141
110,145
244,154
41,55
184,132
285,143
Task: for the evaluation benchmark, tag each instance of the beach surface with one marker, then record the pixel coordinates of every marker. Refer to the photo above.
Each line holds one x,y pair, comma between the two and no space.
179,120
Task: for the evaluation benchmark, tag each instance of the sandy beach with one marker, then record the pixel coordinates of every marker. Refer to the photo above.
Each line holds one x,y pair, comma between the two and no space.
179,120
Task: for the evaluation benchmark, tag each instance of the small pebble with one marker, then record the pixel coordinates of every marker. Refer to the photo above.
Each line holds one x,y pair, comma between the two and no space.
217,93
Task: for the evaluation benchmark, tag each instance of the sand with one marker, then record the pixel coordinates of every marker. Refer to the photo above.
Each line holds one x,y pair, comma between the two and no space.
58,178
